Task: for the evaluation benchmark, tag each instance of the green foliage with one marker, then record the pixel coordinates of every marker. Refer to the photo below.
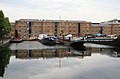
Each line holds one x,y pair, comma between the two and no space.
4,25
7,24
5,54
1,14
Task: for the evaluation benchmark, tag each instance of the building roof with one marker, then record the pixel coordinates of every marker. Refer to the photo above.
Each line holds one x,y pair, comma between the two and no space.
96,24
29,19
80,21
114,21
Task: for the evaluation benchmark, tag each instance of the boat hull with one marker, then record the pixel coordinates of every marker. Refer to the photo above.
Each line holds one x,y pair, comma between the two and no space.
48,42
111,43
15,41
78,45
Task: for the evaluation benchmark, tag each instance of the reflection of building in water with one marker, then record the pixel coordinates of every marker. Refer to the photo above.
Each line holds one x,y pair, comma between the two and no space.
113,53
48,53
81,53
106,51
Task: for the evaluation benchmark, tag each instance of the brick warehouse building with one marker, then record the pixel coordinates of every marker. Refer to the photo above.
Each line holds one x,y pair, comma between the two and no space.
28,28
33,27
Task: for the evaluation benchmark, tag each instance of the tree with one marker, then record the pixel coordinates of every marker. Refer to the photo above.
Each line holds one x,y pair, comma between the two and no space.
4,25
7,26
1,14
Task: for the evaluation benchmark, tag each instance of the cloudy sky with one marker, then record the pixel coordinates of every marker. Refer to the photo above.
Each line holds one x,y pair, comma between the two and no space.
88,10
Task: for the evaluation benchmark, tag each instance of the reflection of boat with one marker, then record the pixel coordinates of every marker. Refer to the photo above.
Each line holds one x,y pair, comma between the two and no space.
51,40
78,45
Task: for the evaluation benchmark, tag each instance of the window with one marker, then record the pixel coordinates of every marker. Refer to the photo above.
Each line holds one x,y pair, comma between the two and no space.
24,26
19,30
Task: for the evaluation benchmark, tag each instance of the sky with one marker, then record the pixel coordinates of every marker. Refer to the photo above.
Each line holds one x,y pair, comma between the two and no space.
87,10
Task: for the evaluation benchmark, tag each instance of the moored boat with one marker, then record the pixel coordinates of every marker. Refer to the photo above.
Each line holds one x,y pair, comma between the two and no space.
104,40
15,40
115,42
50,40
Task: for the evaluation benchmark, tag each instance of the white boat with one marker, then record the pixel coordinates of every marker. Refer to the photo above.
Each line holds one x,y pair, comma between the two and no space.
41,36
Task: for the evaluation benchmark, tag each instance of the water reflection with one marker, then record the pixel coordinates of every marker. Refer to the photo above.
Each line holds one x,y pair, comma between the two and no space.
4,59
112,52
59,62
49,53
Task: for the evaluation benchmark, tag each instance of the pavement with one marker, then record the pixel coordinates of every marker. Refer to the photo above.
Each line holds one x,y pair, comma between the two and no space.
4,41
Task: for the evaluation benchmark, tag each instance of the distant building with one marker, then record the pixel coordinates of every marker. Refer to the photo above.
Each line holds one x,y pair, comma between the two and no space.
95,28
12,29
111,27
28,28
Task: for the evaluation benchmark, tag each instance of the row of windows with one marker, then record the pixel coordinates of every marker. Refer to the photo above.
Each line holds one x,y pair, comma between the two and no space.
21,22
95,31
74,28
85,24
85,31
68,24
70,27
52,23
49,24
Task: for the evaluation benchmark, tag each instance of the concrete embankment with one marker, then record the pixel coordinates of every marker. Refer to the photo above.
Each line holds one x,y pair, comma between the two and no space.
5,41
32,45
